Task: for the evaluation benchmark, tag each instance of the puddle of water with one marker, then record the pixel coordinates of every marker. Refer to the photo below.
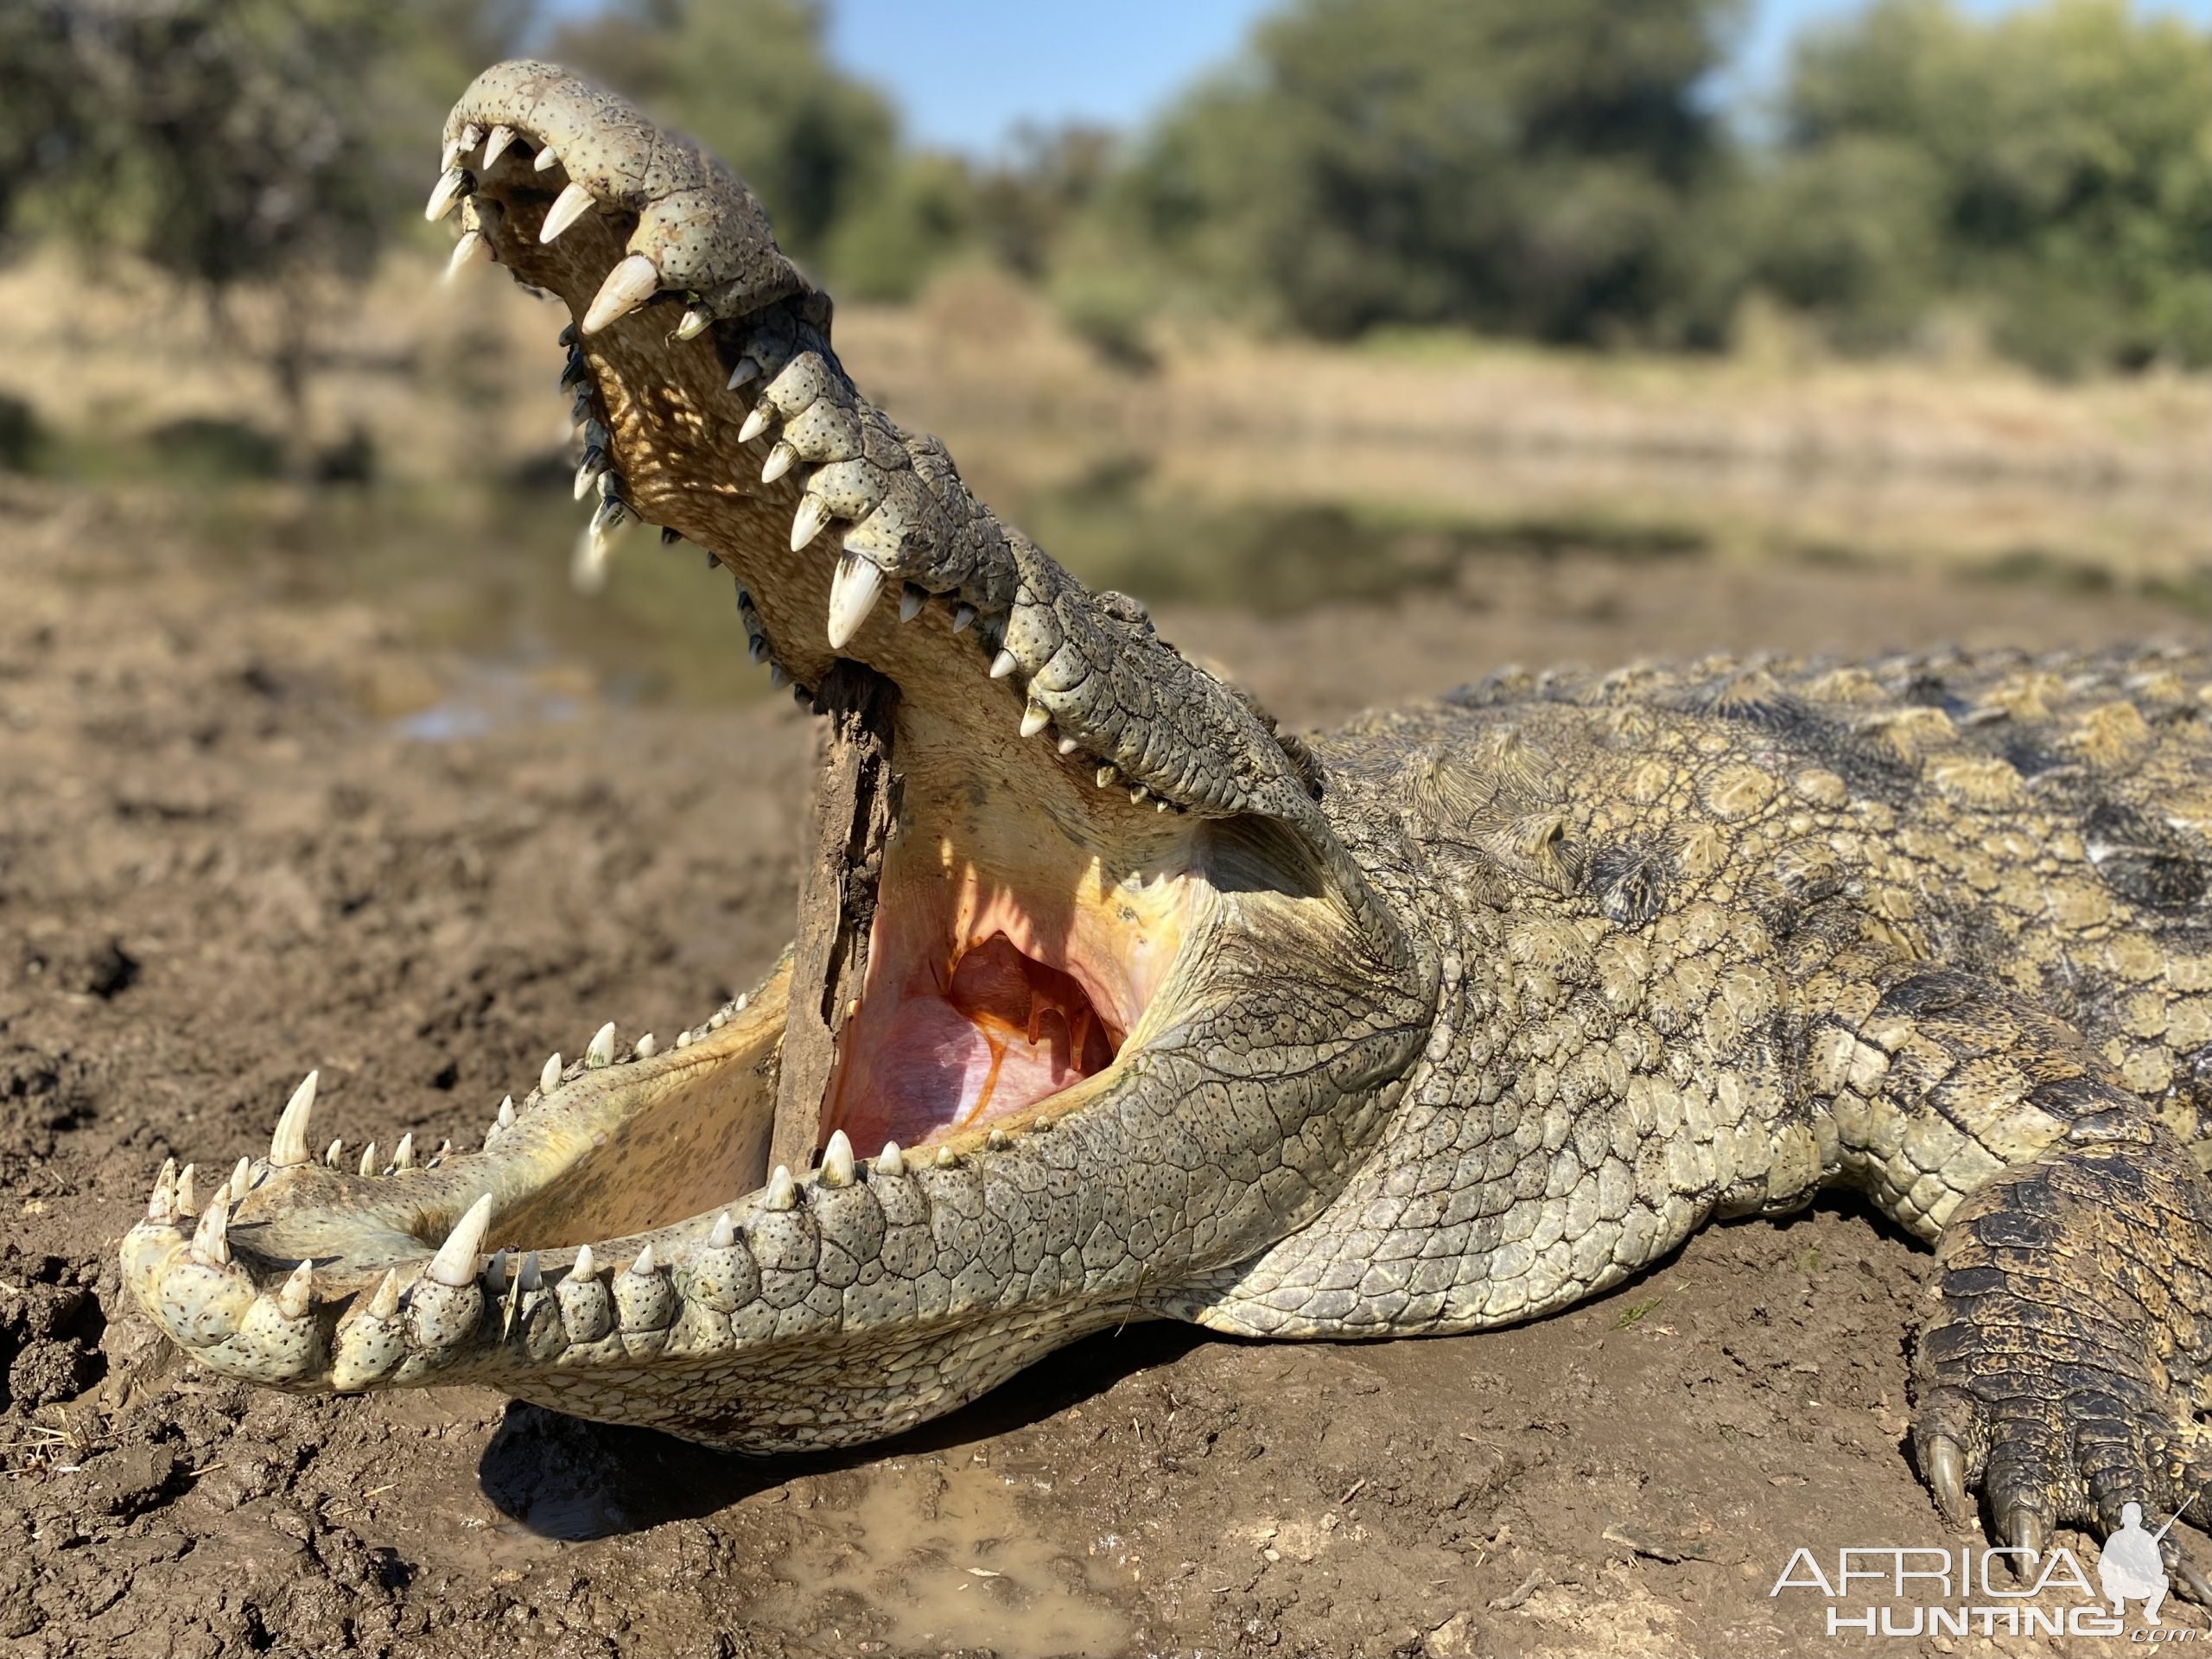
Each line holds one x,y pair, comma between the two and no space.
931,1553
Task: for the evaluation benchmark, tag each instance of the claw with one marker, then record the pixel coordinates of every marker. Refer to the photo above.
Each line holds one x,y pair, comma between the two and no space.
455,1262
628,286
1945,1471
289,1145
853,592
571,204
2025,1528
2193,1582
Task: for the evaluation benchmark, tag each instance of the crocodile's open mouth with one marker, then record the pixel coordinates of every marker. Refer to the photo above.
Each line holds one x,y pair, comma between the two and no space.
1083,992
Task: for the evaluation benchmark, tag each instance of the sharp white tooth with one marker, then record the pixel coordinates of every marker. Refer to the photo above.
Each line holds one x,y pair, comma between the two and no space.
471,136
890,1160
289,1145
783,1192
853,591
693,324
242,1179
1034,718
571,204
369,1158
385,1302
1067,746
506,1118
601,1051
211,1241
779,461
718,1019
586,1266
548,159
298,1293
1107,776
755,423
330,1153
837,1161
738,1006
962,614
402,1155
1003,665
807,522
645,1047
628,286
495,1273
684,1040
911,600
947,1158
643,1264
497,142
455,1262
1139,795
445,194
188,1198
723,1234
471,245
549,1077
161,1206
746,369
1163,805
531,1279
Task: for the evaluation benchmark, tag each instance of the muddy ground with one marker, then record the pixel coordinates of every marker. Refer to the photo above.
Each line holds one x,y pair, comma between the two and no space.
220,865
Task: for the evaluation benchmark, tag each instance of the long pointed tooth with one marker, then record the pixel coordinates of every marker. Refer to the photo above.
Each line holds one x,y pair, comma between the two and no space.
548,158
161,1206
780,461
369,1158
643,1264
495,1273
601,1051
385,1302
495,143
628,286
471,135
402,1155
1003,665
695,323
506,1118
746,369
471,245
853,591
211,1242
911,600
586,1266
298,1293
645,1047
446,192
242,1178
549,1077
188,1198
754,423
532,1278
963,613
330,1153
807,522
837,1161
571,204
783,1192
722,1233
1034,718
289,1145
890,1160
455,1262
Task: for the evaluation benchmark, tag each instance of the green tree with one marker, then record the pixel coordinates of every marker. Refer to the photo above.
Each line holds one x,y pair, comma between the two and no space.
1523,166
2049,169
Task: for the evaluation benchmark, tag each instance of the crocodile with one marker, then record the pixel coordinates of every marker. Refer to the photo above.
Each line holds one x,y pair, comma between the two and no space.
1111,1000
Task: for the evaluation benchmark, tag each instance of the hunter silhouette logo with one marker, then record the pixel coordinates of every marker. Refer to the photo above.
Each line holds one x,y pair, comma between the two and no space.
2130,1568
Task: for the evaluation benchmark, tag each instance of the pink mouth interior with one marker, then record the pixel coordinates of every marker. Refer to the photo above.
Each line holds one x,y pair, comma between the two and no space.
939,1047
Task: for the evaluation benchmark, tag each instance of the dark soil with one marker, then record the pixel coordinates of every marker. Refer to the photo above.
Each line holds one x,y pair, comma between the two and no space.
216,870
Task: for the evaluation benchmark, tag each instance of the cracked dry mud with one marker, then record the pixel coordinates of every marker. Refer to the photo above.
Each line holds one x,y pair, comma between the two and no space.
215,872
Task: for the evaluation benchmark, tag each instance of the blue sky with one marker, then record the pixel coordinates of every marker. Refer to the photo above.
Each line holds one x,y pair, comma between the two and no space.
966,71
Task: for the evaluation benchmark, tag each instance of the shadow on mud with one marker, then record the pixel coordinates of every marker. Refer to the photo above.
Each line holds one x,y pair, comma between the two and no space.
565,1479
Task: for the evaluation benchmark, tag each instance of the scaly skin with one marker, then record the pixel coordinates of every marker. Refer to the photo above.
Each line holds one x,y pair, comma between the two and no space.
1448,1019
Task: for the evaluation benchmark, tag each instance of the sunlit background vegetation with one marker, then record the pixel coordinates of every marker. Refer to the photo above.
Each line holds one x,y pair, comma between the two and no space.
1499,276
